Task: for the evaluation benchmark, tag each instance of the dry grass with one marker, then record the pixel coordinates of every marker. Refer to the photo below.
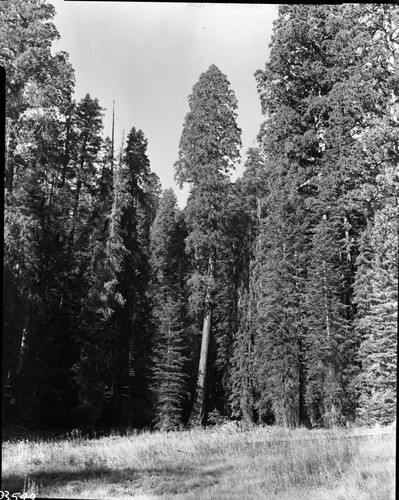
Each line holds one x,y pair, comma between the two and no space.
221,463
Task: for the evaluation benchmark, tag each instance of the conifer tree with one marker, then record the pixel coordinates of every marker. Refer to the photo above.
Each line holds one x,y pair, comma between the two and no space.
132,343
251,191
376,322
97,325
242,376
317,122
328,340
39,86
37,80
86,138
376,276
171,343
209,147
280,329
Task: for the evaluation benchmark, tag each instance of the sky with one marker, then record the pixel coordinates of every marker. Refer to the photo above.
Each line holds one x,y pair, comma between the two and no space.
147,56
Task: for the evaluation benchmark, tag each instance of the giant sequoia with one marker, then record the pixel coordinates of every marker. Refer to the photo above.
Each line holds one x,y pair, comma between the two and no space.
209,147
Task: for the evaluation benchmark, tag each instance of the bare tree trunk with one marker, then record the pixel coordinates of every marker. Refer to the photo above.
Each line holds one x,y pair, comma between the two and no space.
198,413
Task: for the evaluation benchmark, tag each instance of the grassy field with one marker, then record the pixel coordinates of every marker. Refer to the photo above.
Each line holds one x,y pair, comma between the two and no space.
219,463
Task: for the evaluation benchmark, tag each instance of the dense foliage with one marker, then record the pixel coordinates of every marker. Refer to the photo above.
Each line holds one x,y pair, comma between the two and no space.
269,299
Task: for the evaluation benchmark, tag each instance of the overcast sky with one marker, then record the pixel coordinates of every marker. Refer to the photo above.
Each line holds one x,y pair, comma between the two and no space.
147,56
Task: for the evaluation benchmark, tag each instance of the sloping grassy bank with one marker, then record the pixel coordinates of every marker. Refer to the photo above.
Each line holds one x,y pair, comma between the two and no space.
220,463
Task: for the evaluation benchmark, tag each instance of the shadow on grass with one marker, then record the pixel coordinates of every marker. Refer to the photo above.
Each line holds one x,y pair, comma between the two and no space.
157,481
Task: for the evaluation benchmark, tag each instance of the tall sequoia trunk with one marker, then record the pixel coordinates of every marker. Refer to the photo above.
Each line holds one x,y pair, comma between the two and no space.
198,413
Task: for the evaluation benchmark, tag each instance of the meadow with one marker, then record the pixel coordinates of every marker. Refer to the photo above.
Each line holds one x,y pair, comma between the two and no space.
223,462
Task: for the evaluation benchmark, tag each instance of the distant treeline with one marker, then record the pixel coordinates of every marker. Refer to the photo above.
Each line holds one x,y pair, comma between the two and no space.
272,299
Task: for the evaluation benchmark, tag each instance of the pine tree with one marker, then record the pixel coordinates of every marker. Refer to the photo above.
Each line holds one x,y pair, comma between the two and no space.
133,324
97,325
242,376
377,298
209,147
86,137
376,264
170,353
328,340
251,190
231,265
280,328
170,361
